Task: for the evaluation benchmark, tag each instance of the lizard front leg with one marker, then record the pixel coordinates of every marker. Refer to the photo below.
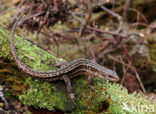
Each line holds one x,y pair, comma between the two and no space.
66,80
89,80
69,88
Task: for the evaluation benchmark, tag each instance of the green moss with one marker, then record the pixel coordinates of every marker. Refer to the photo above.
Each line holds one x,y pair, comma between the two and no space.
106,98
46,95
25,51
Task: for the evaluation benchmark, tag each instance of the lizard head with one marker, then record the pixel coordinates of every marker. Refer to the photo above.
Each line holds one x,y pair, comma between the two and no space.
105,73
108,76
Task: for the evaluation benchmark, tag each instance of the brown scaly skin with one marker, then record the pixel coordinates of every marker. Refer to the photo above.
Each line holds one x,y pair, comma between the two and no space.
70,70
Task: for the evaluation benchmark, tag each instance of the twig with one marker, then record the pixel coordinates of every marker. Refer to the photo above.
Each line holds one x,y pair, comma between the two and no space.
91,47
124,70
133,68
55,5
32,16
138,77
109,11
137,11
102,31
114,15
127,4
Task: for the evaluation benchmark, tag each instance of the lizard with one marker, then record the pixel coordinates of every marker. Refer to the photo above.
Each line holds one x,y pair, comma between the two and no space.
71,69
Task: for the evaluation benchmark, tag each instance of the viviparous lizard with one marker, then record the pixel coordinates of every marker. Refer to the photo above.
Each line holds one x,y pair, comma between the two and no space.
71,69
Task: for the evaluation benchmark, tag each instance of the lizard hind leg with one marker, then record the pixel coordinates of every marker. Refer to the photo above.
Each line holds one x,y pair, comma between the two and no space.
69,88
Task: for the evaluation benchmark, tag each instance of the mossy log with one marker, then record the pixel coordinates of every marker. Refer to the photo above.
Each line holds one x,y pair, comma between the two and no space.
107,97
